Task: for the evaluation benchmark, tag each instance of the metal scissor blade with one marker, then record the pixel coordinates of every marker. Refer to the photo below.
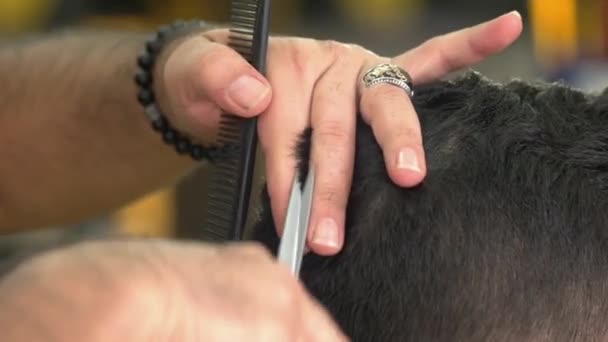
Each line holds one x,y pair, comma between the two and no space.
287,247
291,247
306,204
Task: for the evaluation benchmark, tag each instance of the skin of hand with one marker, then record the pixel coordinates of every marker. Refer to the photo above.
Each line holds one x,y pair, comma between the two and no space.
318,84
159,291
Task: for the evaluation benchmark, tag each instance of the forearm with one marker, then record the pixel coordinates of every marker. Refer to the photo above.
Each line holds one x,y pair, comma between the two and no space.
74,141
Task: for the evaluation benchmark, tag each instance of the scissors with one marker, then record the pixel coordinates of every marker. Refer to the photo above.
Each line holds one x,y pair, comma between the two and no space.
295,230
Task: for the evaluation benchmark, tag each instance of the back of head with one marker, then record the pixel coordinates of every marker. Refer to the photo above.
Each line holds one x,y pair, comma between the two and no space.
506,239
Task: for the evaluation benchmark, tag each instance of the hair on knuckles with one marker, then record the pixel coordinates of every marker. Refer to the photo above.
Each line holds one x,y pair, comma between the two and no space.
506,239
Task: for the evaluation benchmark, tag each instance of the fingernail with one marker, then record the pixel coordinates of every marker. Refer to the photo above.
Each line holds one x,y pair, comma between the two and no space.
326,233
247,91
515,13
408,160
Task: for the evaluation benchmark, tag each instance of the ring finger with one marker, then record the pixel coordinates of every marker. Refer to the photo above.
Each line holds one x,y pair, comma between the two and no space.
389,111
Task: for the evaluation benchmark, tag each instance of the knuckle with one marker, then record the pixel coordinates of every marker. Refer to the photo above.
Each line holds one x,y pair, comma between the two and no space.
213,56
333,47
300,61
435,49
431,43
326,100
333,189
330,193
356,47
332,130
367,53
219,57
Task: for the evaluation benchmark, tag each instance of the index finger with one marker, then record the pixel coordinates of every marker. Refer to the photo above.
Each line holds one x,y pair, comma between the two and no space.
440,55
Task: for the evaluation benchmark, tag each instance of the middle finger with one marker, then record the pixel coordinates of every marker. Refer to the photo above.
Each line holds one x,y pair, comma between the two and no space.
394,122
332,154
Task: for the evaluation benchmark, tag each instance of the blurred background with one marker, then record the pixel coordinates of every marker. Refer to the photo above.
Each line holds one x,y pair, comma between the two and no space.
562,40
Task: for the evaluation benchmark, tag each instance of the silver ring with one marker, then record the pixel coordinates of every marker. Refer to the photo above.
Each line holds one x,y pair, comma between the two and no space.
391,74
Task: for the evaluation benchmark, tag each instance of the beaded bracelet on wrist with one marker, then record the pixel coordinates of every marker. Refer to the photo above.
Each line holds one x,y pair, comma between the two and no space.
145,90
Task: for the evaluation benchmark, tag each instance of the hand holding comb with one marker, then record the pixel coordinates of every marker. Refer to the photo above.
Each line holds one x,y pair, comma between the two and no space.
231,178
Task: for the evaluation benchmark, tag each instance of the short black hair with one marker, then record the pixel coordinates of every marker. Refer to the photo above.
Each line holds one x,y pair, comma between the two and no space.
506,238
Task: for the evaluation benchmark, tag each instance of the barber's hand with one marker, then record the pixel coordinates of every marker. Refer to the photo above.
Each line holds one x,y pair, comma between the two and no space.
318,83
159,291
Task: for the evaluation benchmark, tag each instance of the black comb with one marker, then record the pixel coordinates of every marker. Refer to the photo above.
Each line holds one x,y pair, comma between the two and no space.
231,179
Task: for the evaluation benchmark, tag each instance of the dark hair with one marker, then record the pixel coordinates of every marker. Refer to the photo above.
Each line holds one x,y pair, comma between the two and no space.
506,239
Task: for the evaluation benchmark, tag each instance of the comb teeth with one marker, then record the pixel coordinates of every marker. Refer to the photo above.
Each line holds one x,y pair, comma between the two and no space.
243,18
231,179
221,203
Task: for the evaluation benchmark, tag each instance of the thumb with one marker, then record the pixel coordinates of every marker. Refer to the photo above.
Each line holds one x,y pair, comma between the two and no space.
200,73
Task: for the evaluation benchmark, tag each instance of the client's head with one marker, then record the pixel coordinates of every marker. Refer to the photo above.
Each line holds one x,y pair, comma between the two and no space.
506,239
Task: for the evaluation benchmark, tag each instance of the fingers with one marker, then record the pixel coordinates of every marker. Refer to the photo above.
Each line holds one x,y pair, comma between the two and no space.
201,77
389,111
295,67
333,119
443,54
278,132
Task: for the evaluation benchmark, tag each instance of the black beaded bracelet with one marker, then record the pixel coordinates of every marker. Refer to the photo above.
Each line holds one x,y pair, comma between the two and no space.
145,92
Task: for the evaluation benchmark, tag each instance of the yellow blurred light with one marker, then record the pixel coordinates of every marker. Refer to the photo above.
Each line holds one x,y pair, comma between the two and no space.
153,215
554,27
590,30
380,12
20,15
